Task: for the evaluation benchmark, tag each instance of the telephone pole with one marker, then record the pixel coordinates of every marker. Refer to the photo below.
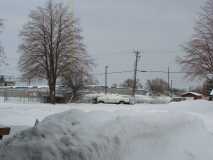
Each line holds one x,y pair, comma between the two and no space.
137,56
106,78
71,3
168,79
171,88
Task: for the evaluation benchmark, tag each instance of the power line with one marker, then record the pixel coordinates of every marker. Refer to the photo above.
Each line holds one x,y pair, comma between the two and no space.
117,72
111,73
166,72
120,72
146,52
144,71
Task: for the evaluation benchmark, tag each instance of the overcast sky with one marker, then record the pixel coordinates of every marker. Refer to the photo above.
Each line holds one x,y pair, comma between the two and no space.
113,29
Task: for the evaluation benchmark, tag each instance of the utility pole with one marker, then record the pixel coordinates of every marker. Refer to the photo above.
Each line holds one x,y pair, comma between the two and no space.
71,2
169,80
137,56
106,78
171,88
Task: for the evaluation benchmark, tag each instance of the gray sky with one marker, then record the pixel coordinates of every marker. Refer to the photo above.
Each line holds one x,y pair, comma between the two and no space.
113,29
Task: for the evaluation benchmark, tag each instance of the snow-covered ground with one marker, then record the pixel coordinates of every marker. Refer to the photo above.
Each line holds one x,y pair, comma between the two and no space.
175,131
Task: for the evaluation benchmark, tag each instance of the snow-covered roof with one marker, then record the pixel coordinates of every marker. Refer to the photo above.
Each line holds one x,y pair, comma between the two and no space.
194,93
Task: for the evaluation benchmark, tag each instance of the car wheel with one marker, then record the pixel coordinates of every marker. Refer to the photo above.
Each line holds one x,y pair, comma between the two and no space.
101,102
121,102
94,101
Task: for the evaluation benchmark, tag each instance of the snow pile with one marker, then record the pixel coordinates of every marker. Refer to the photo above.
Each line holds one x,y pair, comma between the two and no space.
152,99
121,135
88,98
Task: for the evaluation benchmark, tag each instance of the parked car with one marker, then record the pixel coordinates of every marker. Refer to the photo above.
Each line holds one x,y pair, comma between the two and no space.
114,99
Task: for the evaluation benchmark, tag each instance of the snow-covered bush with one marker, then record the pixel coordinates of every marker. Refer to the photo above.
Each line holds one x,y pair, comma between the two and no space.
152,99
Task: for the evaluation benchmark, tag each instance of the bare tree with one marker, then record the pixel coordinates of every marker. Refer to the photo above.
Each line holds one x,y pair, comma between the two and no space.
2,53
1,24
157,86
128,83
51,44
75,81
205,88
199,59
78,75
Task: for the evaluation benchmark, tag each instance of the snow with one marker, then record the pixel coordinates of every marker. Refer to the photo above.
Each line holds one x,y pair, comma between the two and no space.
152,99
175,131
193,93
138,98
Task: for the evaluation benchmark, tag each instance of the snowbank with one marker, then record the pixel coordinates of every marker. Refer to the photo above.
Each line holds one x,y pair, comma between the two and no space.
152,99
121,135
138,99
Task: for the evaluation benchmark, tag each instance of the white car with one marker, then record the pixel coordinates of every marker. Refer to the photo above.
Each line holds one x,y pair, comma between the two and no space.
115,99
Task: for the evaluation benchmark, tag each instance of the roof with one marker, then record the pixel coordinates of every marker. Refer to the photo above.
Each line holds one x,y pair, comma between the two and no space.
193,93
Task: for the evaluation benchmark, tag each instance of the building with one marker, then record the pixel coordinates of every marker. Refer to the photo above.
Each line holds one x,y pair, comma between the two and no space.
5,82
192,95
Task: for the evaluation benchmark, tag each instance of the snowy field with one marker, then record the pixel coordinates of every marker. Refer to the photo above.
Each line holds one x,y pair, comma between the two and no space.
174,131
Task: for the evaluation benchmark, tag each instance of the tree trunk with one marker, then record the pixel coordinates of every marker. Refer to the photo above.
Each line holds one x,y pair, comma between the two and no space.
52,93
74,96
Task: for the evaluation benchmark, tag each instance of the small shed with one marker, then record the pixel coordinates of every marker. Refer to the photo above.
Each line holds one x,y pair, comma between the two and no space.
192,95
